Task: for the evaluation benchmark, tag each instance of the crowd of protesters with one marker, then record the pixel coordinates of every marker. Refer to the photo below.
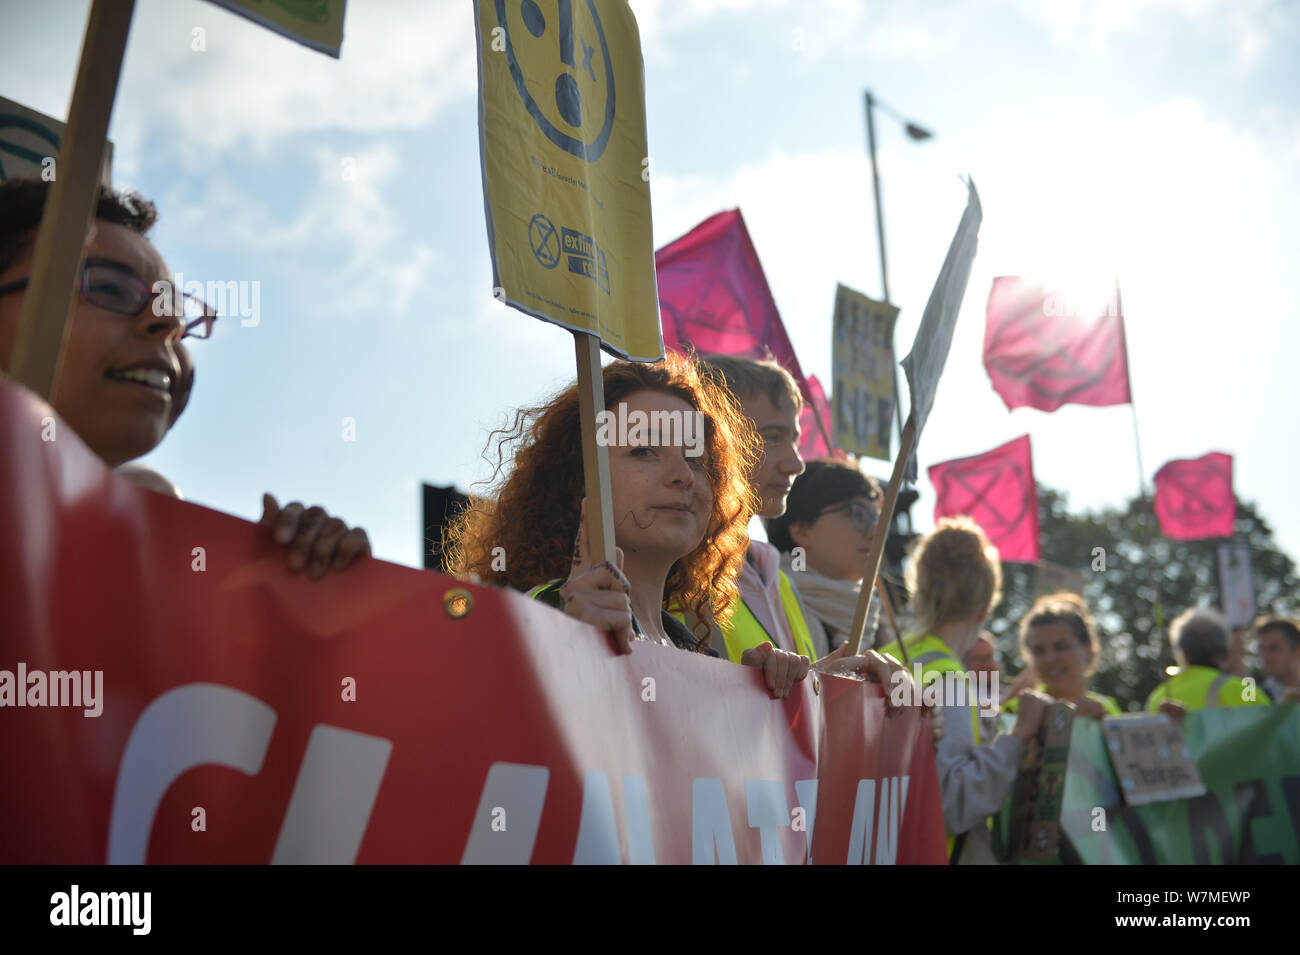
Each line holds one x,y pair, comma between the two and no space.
686,572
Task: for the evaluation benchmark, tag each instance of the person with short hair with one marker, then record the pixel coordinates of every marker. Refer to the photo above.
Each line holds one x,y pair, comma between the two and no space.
955,578
824,537
1279,651
1058,639
768,608
1200,640
126,376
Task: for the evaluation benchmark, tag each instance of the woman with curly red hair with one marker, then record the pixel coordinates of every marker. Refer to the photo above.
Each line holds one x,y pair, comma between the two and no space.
680,518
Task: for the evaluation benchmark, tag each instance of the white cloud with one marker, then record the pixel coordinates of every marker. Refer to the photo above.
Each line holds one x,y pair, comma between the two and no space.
251,89
1248,24
337,218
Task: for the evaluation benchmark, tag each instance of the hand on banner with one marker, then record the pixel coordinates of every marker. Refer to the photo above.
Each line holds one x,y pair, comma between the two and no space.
781,668
599,595
1033,705
1173,709
889,673
1089,708
317,542
869,665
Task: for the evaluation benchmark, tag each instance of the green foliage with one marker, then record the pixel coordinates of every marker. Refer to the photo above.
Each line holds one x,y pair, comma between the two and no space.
1147,580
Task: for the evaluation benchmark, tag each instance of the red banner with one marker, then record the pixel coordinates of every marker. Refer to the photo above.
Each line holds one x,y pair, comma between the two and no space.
170,693
1040,354
996,489
1194,498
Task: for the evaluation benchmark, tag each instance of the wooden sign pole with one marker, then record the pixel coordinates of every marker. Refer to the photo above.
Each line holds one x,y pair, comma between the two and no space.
595,457
905,446
70,207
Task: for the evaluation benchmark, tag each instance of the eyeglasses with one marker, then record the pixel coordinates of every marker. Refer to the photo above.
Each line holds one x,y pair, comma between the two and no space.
862,514
118,290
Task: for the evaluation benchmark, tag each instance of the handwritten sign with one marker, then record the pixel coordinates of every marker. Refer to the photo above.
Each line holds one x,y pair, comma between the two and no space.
1151,759
863,366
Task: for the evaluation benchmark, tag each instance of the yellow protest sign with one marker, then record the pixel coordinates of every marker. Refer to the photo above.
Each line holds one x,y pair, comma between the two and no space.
863,368
314,23
29,145
565,172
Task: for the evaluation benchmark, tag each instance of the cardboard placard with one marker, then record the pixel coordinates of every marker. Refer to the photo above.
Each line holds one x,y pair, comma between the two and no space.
317,24
1040,788
863,364
29,145
1151,759
566,169
1236,585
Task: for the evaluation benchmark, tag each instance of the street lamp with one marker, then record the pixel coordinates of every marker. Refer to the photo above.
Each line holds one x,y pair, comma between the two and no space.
919,134
915,132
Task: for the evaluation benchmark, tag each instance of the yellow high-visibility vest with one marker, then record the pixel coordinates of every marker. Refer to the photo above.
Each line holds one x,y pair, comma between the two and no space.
936,659
1200,688
743,631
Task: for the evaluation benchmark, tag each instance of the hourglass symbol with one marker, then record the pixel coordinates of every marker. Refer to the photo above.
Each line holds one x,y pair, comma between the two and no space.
559,54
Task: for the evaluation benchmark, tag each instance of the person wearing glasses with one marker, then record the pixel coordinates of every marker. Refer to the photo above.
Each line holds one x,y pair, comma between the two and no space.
126,374
825,537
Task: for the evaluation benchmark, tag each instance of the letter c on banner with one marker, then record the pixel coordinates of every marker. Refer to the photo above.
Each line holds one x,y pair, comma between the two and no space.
194,725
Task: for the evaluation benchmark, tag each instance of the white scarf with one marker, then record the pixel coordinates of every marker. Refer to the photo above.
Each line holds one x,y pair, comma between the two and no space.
833,601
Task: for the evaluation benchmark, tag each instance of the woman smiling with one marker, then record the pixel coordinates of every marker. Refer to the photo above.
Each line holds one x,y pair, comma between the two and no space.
1058,640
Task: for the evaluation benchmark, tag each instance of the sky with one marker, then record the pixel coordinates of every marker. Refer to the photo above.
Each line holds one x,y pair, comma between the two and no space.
1151,140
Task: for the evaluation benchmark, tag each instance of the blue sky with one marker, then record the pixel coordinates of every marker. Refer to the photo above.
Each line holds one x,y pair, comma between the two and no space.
1154,140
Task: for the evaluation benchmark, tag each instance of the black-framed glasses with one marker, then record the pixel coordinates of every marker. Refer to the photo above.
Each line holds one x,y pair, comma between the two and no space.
863,515
119,290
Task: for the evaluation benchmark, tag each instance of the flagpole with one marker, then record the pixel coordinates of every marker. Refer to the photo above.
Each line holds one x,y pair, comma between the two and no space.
880,236
1148,517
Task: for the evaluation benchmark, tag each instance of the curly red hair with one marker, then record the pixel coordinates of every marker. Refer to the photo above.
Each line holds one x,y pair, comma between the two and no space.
533,511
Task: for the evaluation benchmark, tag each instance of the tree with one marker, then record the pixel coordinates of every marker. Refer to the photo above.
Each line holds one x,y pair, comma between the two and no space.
1135,582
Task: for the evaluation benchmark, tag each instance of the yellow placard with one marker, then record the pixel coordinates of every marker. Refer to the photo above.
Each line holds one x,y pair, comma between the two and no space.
863,368
565,168
29,145
314,23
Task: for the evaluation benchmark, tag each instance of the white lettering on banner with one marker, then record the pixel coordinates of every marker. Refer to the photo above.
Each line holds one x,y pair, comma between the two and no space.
892,805
204,724
640,842
598,842
893,800
333,796
193,725
711,824
806,790
597,830
768,813
337,785
522,790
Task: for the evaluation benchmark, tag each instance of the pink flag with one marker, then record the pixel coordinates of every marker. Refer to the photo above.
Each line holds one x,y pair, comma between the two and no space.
1194,498
714,296
812,442
996,490
1041,355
